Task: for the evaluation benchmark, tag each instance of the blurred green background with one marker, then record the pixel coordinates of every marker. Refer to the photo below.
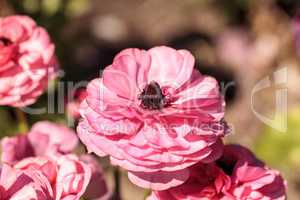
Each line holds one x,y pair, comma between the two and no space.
239,42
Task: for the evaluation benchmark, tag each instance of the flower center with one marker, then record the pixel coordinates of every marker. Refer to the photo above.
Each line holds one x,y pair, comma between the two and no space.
227,165
5,41
152,97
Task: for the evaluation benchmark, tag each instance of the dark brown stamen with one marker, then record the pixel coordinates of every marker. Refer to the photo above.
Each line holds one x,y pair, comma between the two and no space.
227,165
5,41
152,97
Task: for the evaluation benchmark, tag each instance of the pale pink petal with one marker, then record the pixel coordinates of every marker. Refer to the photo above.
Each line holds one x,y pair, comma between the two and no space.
159,180
170,67
72,179
129,68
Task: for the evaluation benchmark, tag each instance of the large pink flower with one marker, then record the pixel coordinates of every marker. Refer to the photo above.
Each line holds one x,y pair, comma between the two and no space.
68,176
154,115
237,175
16,184
44,138
27,61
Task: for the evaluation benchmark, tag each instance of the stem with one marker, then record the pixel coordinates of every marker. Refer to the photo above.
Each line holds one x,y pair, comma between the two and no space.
117,193
22,121
147,193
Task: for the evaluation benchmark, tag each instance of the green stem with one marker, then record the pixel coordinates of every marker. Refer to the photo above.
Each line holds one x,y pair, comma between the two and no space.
22,121
147,193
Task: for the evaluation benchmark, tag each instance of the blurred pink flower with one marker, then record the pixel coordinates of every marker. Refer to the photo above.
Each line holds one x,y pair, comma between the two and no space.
296,29
16,184
237,175
47,136
73,106
27,61
68,176
237,49
97,188
234,48
154,115
44,138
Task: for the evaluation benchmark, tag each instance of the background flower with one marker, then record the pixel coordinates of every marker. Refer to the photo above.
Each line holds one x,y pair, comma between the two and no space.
44,138
44,148
236,175
68,176
27,61
24,184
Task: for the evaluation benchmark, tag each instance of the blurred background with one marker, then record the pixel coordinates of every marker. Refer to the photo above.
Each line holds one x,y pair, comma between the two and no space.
239,42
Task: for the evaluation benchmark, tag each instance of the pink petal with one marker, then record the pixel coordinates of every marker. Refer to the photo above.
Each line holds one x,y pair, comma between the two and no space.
159,180
169,67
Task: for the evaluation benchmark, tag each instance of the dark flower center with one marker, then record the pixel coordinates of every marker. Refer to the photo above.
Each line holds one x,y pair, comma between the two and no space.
152,97
5,41
227,165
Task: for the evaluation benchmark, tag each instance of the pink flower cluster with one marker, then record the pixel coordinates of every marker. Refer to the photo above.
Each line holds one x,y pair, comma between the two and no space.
39,165
151,112
27,61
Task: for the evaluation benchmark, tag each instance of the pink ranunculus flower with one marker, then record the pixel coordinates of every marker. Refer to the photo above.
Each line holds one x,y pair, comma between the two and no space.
27,61
237,175
97,188
16,184
154,115
68,176
44,138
